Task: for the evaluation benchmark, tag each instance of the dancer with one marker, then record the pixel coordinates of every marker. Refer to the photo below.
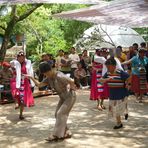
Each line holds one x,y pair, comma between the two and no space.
116,80
20,86
138,80
97,89
65,88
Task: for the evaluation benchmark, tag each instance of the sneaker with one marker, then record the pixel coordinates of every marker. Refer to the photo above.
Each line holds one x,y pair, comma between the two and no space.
118,126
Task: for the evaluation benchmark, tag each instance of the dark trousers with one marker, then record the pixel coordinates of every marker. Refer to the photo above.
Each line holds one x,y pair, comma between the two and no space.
72,72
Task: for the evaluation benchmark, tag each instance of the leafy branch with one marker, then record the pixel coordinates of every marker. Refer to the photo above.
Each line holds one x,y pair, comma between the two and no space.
28,12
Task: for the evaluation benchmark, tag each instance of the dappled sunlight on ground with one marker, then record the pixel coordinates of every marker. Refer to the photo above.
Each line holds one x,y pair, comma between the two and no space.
90,127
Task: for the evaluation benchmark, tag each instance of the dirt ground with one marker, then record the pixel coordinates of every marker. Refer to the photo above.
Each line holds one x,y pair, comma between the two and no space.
90,127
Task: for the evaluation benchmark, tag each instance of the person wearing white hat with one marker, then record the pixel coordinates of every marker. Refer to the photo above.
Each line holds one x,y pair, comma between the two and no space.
21,86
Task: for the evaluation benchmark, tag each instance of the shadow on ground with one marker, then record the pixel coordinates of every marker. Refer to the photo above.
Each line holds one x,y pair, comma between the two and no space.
90,127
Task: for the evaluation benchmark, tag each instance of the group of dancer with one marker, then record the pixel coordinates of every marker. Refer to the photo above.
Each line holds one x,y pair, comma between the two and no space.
111,81
23,82
108,81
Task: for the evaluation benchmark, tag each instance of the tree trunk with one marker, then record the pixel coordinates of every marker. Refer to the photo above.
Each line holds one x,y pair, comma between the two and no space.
3,48
6,40
10,26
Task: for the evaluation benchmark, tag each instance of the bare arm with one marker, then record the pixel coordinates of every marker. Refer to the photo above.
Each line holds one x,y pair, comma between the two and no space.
72,84
127,62
37,83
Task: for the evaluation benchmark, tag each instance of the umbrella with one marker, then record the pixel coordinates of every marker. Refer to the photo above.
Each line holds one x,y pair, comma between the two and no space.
109,36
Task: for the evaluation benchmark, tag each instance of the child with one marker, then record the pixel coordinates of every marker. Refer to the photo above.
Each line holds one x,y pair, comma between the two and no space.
117,92
65,88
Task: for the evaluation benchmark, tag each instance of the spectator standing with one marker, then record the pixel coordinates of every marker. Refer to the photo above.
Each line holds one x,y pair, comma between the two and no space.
120,55
135,47
58,59
65,64
143,45
74,57
130,55
83,62
86,58
43,58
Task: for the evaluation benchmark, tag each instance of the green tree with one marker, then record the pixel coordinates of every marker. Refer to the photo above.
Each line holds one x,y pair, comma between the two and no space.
16,15
143,32
43,32
48,34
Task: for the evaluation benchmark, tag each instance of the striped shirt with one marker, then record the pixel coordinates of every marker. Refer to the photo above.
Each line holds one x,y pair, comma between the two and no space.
118,79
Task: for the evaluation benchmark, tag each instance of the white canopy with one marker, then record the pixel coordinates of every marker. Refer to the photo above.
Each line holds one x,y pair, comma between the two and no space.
50,1
133,13
109,36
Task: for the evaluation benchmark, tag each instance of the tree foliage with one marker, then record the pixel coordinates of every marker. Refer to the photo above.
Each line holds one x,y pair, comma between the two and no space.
54,33
16,15
44,33
143,32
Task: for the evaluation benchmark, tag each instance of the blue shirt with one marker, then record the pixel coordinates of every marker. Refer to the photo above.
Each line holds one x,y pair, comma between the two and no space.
138,62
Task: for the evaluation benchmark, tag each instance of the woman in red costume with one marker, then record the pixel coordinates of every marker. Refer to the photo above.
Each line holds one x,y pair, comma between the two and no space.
21,86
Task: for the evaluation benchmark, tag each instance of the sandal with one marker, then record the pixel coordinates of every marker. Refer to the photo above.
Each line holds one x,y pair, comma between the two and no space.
53,139
16,106
118,126
103,107
68,134
99,108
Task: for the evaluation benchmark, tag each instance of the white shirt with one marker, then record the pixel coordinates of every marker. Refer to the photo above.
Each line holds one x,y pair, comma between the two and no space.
58,62
74,60
102,60
29,69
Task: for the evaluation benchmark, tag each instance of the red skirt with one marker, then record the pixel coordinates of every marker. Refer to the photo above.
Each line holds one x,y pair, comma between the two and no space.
98,91
135,85
28,99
